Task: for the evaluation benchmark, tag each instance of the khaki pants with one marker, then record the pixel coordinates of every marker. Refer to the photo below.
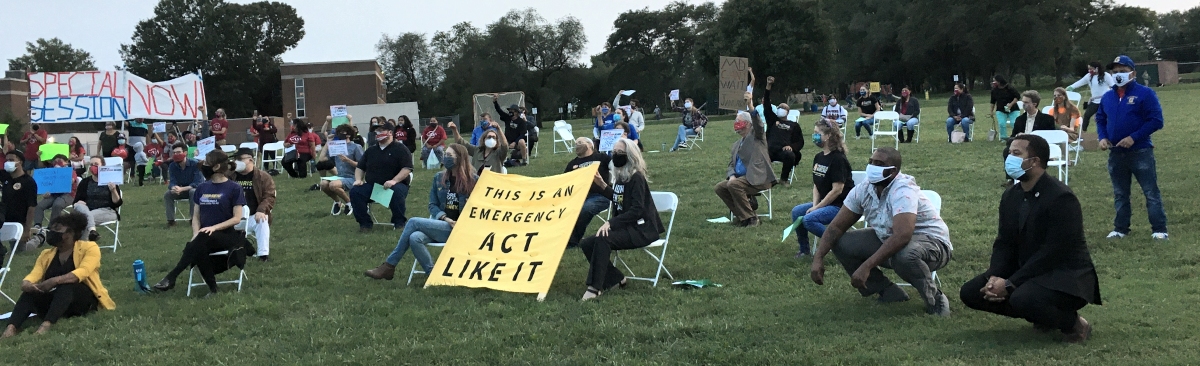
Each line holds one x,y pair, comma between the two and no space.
736,195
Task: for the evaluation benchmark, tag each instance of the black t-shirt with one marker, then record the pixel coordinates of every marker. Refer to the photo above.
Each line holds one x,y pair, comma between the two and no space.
866,105
1001,97
59,268
382,164
830,169
453,200
19,195
595,158
247,183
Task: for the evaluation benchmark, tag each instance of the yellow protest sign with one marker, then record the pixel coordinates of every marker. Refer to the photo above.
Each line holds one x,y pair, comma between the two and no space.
512,232
875,87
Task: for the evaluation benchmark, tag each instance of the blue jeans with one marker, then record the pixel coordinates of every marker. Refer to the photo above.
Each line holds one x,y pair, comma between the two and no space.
1141,165
417,233
681,137
910,124
814,222
594,204
863,122
966,126
360,197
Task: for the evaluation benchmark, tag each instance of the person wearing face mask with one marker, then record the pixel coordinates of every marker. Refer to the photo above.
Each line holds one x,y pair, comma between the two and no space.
749,170
692,122
489,153
634,222
961,109
154,153
603,118
219,126
65,280
305,142
1098,82
906,233
339,189
1129,114
265,131
1041,269
1031,120
1004,104
596,201
447,198
126,153
388,164
108,139
784,138
404,132
834,112
98,202
485,123
184,176
434,134
832,181
909,110
628,132
219,201
259,189
867,106
19,194
33,140
53,202
516,129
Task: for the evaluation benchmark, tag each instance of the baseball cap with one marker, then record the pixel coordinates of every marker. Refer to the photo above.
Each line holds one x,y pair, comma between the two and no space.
514,107
1122,60
244,151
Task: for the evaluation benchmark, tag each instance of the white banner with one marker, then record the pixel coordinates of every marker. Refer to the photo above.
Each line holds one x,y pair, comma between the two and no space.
100,96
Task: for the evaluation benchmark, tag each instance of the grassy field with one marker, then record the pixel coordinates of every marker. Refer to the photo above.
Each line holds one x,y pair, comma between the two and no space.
311,304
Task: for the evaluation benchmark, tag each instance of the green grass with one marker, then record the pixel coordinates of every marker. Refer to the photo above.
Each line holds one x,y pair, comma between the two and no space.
311,305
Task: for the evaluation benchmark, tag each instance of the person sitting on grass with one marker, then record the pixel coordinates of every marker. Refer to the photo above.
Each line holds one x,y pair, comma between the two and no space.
447,198
388,164
220,202
749,170
184,176
1041,270
489,153
97,202
832,179
906,233
65,280
596,202
259,189
339,189
634,224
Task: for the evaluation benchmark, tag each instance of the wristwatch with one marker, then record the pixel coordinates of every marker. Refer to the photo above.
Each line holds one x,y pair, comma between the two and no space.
1009,288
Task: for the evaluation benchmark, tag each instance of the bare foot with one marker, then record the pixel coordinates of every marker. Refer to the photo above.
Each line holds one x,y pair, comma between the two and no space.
43,329
9,332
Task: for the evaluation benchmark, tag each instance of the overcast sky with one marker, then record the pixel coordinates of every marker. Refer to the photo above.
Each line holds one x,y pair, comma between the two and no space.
334,30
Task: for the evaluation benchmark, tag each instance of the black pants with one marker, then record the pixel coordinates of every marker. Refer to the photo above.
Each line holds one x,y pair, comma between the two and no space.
267,155
297,166
789,159
1088,112
141,173
75,299
1032,302
196,253
603,274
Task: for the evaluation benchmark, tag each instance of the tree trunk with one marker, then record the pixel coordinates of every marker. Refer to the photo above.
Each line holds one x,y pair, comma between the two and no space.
1028,80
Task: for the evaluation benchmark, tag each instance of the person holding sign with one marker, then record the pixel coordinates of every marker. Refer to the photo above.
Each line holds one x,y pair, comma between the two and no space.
338,188
53,202
18,194
184,177
693,121
259,189
447,197
108,139
305,143
597,201
516,129
749,170
491,150
388,164
634,224
99,202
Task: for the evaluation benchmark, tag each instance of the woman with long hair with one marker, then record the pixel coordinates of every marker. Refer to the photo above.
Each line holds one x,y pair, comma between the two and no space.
634,224
405,133
491,152
447,197
832,181
1066,114
305,142
78,153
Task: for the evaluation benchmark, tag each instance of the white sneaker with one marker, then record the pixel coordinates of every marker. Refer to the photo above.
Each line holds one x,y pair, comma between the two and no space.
1118,235
1159,236
336,209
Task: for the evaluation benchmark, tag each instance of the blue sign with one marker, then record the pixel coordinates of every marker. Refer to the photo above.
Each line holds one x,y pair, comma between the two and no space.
53,180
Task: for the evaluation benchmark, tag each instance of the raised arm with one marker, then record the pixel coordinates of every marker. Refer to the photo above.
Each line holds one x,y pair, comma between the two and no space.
768,115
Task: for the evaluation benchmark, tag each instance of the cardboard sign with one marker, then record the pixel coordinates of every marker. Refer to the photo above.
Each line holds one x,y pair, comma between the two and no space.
337,147
205,145
512,232
732,87
608,138
160,127
111,174
53,180
48,151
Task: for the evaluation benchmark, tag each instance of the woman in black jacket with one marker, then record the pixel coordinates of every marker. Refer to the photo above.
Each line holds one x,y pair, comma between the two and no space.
634,224
410,133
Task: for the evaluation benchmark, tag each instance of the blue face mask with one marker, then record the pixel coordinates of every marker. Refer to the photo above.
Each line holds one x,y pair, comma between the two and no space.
817,139
448,162
616,118
1012,166
861,93
603,110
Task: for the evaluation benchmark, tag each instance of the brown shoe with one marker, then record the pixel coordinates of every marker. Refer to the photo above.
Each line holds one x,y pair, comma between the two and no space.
1083,331
383,272
170,223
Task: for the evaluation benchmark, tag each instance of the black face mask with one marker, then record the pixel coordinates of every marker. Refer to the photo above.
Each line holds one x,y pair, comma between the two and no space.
619,160
207,171
54,238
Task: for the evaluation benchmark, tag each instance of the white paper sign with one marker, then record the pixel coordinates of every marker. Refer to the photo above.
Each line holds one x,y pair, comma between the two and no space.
608,138
98,96
535,111
337,111
628,92
111,174
337,147
675,94
956,78
205,145
160,127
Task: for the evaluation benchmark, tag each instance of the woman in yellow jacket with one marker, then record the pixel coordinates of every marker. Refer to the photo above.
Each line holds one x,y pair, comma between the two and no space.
65,280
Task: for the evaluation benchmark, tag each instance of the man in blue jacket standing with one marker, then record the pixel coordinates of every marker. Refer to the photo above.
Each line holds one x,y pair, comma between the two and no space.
1128,115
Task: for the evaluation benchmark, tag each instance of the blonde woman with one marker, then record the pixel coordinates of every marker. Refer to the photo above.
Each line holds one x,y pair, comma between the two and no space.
1066,114
832,181
634,223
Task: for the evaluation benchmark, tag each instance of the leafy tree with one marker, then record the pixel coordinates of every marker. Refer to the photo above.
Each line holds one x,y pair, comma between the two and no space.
654,52
782,38
236,46
1177,36
52,55
411,67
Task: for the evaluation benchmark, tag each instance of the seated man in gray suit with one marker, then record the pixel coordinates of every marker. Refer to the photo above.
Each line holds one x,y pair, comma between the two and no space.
749,170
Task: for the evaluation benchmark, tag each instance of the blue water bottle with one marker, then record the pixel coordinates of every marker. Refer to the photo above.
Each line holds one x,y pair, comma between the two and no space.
139,277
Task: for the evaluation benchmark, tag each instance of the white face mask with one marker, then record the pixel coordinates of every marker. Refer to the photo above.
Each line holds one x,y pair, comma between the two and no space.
239,166
10,166
781,112
875,173
687,104
1123,78
832,102
490,143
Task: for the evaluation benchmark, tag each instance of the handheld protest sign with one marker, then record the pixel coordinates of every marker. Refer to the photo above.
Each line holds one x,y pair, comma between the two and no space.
50,150
732,87
53,180
205,145
608,138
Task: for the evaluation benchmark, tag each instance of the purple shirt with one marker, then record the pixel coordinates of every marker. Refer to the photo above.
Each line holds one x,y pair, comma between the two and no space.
215,201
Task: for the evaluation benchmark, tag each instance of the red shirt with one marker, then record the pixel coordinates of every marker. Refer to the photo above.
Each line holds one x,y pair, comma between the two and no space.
434,135
401,134
293,139
32,145
219,124
152,151
302,142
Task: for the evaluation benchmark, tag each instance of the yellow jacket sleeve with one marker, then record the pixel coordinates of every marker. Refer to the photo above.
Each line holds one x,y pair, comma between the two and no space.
89,264
39,266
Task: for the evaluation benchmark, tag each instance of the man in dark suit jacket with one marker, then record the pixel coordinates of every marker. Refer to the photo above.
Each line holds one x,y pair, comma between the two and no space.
1041,121
1041,269
749,170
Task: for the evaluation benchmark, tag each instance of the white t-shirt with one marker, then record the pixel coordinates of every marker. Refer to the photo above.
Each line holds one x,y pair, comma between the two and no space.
903,195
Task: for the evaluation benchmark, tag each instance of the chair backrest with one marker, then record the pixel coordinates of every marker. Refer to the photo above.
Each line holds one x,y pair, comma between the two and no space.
794,115
859,176
274,146
113,161
560,123
665,201
1020,106
564,132
1074,97
249,145
1055,137
1048,109
887,116
11,232
229,149
934,198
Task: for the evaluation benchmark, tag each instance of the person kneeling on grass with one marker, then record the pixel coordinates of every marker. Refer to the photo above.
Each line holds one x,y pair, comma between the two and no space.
98,202
65,280
832,181
634,224
259,189
339,189
447,197
219,204
906,234
1040,270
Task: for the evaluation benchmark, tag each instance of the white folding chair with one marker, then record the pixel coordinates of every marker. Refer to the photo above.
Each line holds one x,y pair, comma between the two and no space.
935,199
9,233
180,214
113,227
253,146
229,149
860,178
278,149
533,150
563,135
1074,97
114,161
1075,146
663,201
768,193
916,129
791,177
414,269
694,140
1057,153
192,274
890,117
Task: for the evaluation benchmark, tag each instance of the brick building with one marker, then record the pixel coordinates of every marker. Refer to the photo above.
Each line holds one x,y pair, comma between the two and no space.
310,88
14,95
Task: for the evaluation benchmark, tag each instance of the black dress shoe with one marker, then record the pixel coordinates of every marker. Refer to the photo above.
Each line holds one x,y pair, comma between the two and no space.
93,235
754,203
263,258
164,285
